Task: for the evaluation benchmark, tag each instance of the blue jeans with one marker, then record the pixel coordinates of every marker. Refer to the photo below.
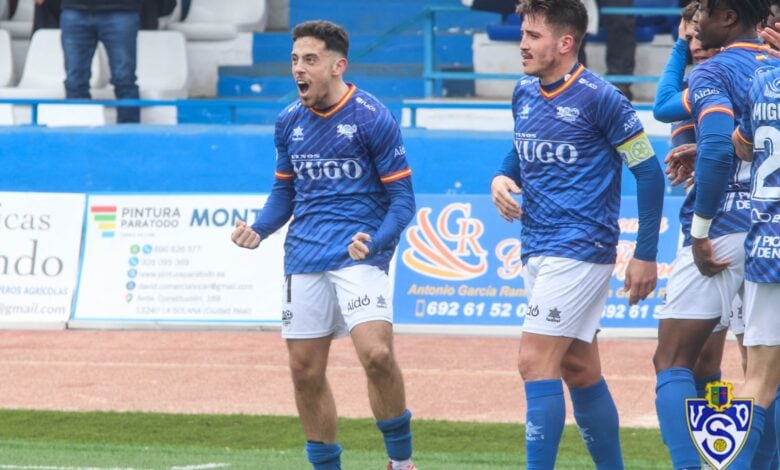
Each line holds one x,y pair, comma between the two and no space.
118,31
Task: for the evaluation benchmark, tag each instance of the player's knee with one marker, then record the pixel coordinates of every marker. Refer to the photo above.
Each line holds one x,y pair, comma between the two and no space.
378,361
305,375
534,366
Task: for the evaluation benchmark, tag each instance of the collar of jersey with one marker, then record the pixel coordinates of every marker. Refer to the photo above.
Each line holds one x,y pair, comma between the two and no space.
334,109
751,44
563,84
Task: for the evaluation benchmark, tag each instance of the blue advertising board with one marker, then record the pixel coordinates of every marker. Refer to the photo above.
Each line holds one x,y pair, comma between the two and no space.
458,263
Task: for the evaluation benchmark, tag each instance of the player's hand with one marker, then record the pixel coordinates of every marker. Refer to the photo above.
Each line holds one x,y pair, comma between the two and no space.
705,258
501,190
244,236
680,163
641,278
358,250
771,37
682,28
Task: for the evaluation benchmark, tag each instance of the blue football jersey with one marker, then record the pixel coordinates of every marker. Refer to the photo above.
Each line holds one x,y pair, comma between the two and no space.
721,85
339,162
760,126
571,139
683,132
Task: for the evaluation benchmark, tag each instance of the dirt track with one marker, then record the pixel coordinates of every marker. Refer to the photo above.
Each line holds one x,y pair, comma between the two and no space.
449,378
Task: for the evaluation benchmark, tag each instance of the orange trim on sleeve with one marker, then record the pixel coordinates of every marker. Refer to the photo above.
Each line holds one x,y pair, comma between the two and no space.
564,86
280,175
716,109
686,101
398,175
682,129
742,137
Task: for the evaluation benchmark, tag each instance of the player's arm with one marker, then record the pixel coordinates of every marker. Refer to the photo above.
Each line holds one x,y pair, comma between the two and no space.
278,207
504,185
742,146
387,148
715,151
668,105
642,273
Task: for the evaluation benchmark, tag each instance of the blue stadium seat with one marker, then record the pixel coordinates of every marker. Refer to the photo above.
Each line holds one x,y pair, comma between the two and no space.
661,24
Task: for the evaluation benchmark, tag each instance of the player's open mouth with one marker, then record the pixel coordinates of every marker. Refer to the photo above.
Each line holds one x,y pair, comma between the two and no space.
303,87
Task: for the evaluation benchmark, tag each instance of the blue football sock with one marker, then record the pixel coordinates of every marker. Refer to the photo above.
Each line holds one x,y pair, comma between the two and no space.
397,433
324,456
597,418
765,457
701,384
544,421
745,458
673,386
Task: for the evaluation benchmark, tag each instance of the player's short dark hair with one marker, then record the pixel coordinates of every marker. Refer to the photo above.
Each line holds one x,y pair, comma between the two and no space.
569,15
690,10
334,36
750,12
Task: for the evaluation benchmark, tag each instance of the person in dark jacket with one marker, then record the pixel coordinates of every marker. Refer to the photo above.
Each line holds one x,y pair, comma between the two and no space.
115,23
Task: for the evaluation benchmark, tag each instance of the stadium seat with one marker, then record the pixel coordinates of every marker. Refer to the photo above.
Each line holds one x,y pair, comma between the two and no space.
43,75
6,59
162,73
209,20
20,25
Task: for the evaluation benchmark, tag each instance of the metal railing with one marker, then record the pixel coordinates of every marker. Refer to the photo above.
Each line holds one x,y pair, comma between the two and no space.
430,74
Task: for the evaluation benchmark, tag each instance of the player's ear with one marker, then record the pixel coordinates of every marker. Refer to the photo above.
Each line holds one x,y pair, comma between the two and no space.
339,66
566,44
729,17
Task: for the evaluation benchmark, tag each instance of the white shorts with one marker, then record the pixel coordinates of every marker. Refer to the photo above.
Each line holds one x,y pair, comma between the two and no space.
317,305
762,317
567,296
693,296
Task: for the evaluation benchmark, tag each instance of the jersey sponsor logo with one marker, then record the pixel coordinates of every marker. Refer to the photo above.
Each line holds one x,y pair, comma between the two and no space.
532,150
358,303
399,152
381,302
526,81
700,94
719,423
765,247
567,113
525,112
346,130
630,123
533,311
756,216
365,104
327,169
588,84
297,135
450,248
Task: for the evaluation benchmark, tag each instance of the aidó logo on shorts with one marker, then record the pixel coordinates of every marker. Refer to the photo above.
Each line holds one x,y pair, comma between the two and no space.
719,424
358,303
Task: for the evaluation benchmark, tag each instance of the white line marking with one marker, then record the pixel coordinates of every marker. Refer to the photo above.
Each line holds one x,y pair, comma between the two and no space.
203,466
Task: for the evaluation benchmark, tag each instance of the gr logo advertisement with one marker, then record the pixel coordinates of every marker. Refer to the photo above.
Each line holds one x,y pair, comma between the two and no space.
459,263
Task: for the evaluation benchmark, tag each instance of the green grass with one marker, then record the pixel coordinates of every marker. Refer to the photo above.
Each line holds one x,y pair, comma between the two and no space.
164,441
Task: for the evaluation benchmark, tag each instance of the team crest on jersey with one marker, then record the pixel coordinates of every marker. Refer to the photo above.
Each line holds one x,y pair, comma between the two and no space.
719,424
772,89
525,112
568,114
297,135
347,130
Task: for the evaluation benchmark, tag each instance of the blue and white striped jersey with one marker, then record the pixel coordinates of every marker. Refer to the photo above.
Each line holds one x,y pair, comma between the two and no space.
338,163
571,139
721,85
760,126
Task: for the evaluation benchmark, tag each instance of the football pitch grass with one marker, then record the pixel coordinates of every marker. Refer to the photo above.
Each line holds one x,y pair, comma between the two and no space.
53,440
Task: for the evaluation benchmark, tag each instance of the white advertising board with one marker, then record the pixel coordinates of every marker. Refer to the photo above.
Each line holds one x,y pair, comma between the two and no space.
169,259
40,238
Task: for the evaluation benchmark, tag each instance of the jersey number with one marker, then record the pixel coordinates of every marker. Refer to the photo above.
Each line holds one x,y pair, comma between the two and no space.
766,138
